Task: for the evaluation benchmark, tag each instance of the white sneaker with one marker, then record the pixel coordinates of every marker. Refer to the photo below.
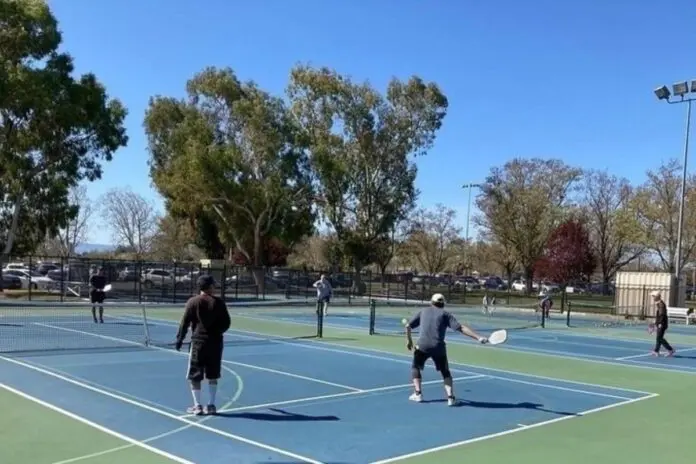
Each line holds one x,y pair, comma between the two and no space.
452,402
416,397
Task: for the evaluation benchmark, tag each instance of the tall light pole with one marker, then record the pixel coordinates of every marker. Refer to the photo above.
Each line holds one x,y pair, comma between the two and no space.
683,93
468,207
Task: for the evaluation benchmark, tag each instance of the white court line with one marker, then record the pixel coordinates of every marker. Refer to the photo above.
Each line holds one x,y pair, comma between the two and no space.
365,352
341,395
234,399
553,354
238,393
161,413
508,379
511,431
644,355
113,433
235,363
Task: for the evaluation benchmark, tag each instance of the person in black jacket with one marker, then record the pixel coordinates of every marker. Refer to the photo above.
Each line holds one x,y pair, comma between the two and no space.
97,282
661,325
208,318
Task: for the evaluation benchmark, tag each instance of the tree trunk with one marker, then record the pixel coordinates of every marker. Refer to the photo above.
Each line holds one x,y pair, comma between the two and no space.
529,276
12,233
359,287
258,270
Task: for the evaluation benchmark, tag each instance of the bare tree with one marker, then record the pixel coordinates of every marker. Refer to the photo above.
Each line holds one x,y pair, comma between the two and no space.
613,226
656,207
430,236
66,241
131,218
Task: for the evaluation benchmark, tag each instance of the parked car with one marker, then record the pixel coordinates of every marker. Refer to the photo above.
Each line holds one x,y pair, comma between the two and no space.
29,279
494,283
45,268
162,278
11,282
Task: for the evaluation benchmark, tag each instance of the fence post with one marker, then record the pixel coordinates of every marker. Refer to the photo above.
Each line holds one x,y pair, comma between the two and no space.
568,315
62,279
223,283
139,286
373,314
31,284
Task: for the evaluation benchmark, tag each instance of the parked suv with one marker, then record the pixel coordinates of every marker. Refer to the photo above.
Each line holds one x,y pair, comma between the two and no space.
159,278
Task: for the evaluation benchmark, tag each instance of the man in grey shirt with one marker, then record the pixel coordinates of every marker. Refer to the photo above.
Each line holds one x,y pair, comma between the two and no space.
433,323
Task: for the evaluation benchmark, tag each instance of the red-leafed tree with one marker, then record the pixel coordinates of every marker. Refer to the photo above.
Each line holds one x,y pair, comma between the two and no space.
568,255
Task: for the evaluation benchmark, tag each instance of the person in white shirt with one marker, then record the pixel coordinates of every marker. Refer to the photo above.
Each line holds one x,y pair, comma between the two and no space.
324,292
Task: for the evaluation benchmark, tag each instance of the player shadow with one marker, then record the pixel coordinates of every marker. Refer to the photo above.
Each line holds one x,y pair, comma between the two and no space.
279,415
502,405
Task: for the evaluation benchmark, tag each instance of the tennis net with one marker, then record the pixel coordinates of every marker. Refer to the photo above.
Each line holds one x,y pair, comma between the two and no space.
54,326
610,317
387,317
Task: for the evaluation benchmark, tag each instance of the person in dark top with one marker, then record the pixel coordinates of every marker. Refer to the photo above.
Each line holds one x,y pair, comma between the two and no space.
661,325
208,318
433,323
545,304
97,282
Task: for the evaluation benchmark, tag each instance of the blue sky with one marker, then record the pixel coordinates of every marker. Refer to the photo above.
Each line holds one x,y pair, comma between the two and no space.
536,78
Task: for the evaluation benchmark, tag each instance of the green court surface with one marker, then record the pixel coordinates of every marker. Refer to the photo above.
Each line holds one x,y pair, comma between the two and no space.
660,429
33,434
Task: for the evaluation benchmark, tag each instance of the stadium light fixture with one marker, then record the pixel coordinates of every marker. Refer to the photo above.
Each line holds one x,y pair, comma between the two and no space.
680,89
685,92
468,208
662,93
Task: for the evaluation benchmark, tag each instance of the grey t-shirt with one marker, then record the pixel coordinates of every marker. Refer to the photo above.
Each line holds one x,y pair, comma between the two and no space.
433,323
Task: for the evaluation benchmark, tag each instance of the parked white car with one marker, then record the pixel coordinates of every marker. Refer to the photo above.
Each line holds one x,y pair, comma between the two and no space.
30,279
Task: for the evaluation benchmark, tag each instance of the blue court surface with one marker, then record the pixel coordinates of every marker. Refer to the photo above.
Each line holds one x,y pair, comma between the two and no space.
288,401
627,346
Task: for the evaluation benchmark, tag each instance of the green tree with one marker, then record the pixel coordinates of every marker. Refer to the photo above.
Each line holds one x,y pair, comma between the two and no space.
55,129
522,203
231,153
361,145
656,207
613,227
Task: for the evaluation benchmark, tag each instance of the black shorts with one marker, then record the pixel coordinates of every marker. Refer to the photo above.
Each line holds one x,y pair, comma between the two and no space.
439,359
205,361
97,296
325,299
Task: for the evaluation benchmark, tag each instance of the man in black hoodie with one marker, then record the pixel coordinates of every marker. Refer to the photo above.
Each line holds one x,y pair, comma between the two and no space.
209,319
661,325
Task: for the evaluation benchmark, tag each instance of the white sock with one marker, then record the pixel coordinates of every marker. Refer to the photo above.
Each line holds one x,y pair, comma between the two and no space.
212,387
196,397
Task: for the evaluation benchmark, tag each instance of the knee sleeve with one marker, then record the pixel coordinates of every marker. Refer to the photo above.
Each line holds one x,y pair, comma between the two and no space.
446,374
415,373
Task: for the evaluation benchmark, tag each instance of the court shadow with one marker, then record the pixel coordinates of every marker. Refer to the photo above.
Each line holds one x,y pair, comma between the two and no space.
277,416
502,405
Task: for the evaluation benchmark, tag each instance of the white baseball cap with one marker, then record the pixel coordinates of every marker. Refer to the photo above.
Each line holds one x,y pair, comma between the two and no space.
437,298
655,294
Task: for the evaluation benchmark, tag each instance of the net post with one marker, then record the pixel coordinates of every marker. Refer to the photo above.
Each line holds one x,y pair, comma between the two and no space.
568,314
146,327
373,314
543,317
320,319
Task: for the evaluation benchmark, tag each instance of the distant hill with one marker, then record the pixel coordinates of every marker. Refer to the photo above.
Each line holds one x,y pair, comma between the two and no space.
90,247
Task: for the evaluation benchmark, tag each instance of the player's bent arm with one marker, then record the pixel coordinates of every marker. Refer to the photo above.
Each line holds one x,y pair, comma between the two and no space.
409,338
